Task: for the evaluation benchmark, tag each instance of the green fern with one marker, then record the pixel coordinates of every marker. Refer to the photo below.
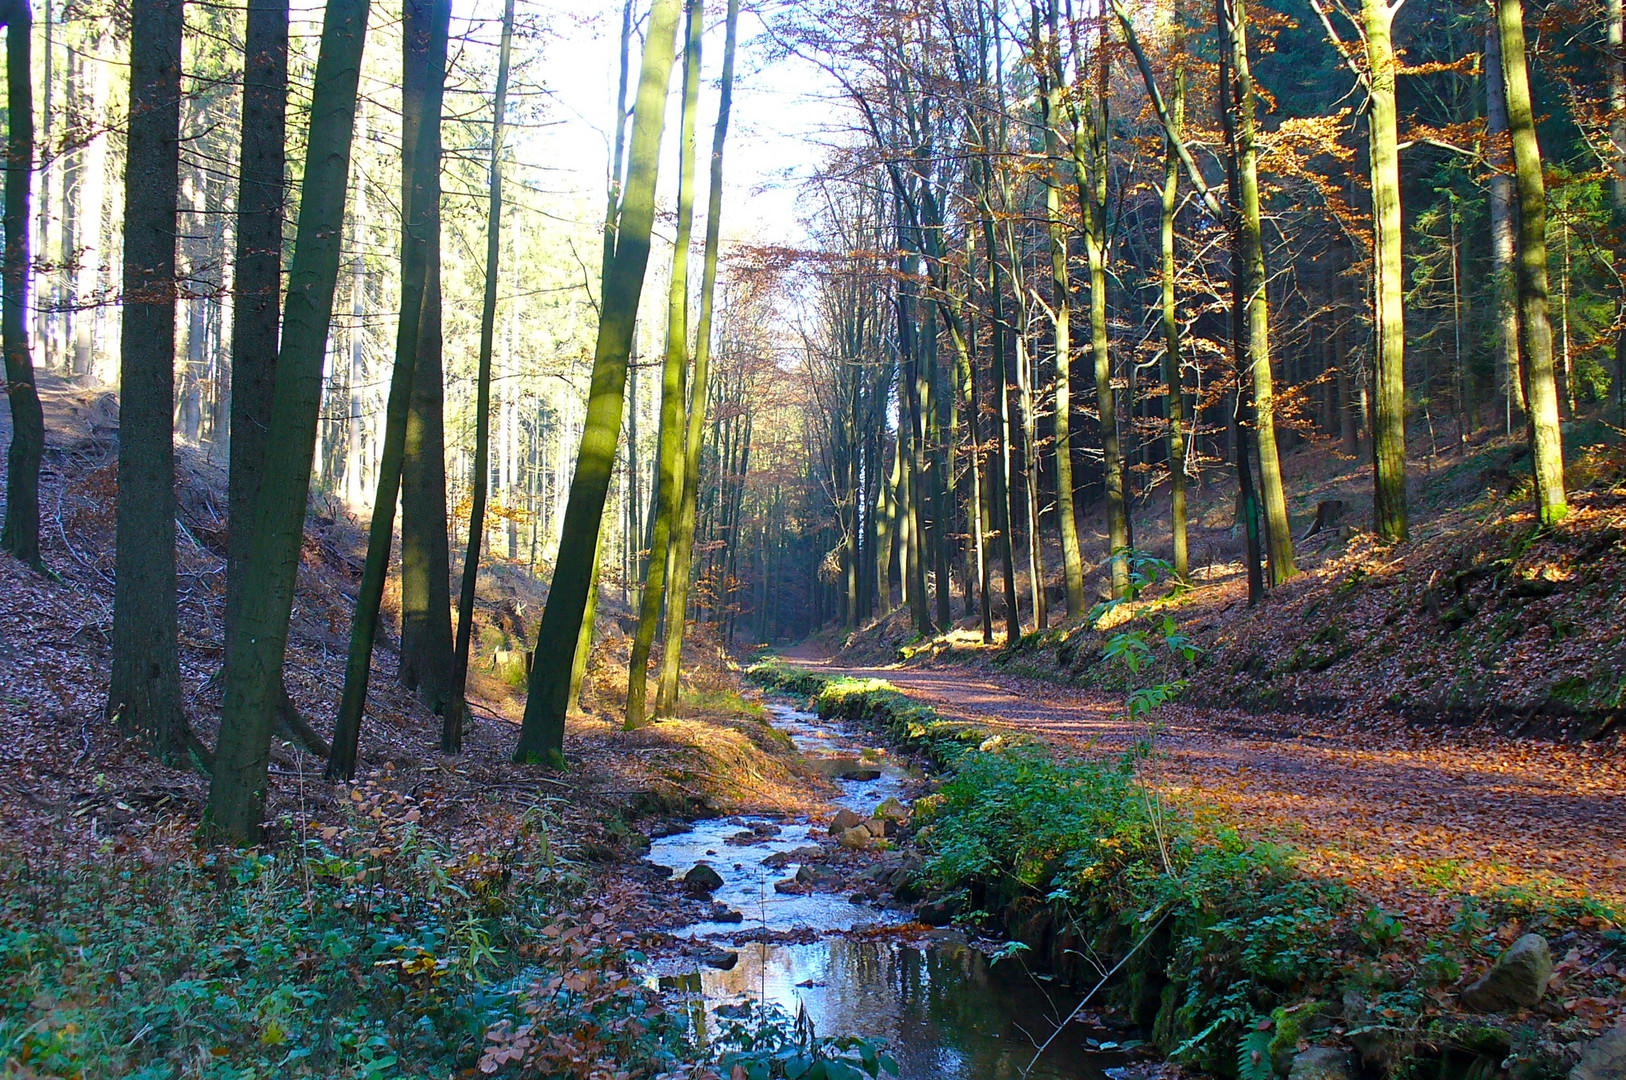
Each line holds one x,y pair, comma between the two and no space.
1253,1053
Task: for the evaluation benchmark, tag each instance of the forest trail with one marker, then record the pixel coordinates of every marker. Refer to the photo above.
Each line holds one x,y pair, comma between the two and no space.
1406,814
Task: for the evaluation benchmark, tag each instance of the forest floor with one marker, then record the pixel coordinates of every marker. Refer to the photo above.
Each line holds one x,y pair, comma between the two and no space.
187,967
1408,815
1427,720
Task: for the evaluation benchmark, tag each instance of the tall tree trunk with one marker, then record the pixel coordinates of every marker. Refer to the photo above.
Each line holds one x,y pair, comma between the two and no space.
1535,330
426,630
252,679
1047,55
1171,319
1001,483
1278,530
1616,61
451,733
1090,135
419,237
145,692
358,448
682,560
256,297
670,449
543,730
21,535
257,277
1388,286
1509,383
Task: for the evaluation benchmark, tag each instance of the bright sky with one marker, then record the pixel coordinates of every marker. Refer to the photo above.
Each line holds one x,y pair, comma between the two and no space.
782,110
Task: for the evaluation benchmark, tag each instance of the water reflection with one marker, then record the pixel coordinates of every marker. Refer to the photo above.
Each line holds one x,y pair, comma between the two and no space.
942,1010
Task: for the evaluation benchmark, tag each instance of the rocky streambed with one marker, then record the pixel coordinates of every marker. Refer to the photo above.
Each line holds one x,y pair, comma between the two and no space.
816,915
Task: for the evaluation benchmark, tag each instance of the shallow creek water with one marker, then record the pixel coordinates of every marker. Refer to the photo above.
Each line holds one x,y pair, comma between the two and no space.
942,1009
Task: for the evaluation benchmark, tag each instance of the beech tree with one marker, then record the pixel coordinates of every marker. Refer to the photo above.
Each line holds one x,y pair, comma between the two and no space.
542,733
1535,327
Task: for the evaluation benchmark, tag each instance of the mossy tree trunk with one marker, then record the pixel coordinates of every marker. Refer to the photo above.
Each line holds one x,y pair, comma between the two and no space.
543,729
252,679
674,374
683,557
1535,328
1273,498
426,631
1388,285
1171,318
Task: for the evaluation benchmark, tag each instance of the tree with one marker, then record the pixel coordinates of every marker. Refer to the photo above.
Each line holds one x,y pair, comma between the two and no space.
1535,329
1509,382
21,536
1171,312
543,729
256,304
419,236
145,691
451,735
670,454
683,556
1616,61
1048,63
252,678
426,629
1278,530
1388,287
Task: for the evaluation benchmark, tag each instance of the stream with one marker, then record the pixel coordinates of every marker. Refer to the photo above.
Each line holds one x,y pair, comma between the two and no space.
859,968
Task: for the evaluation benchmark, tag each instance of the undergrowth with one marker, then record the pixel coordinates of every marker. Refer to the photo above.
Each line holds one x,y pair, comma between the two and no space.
1225,951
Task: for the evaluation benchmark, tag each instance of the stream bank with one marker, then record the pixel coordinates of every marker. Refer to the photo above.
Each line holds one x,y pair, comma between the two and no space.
1233,956
814,922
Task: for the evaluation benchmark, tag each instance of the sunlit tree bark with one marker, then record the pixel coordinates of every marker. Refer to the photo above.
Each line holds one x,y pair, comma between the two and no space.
1535,328
670,452
542,733
683,556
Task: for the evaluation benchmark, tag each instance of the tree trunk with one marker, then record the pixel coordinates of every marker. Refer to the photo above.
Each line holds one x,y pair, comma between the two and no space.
1092,168
682,560
1535,329
1388,286
145,692
451,734
252,679
1171,323
426,630
674,372
543,730
1047,57
1278,530
1509,384
1001,483
21,534
1616,60
256,281
419,236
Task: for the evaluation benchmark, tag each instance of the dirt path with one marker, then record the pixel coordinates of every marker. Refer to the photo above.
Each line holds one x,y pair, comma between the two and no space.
1407,814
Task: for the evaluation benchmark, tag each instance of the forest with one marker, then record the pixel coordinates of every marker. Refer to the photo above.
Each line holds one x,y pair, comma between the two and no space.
942,538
